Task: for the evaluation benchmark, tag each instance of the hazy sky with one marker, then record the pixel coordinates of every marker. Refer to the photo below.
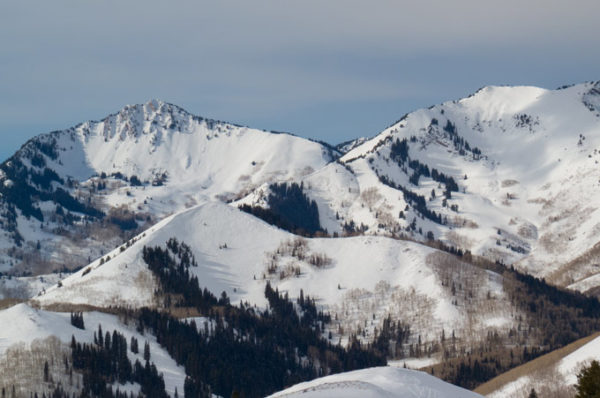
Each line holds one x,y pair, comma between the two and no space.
330,70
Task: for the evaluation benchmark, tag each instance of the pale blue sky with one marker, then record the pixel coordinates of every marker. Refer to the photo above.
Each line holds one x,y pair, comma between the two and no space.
329,70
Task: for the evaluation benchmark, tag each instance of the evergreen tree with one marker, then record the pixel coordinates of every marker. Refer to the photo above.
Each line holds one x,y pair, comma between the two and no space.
46,372
134,345
107,341
588,381
77,320
146,351
100,336
290,209
533,394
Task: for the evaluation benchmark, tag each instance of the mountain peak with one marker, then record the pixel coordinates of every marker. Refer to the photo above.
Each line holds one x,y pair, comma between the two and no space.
504,99
137,119
154,105
125,161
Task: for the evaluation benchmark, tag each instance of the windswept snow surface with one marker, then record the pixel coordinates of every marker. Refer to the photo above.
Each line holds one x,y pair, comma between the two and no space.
24,324
382,382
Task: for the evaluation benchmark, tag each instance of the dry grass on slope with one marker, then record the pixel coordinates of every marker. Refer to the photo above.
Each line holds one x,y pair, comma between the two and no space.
577,269
9,302
545,362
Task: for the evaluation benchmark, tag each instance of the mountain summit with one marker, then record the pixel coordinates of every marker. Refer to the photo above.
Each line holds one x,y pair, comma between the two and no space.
494,174
419,247
127,170
507,173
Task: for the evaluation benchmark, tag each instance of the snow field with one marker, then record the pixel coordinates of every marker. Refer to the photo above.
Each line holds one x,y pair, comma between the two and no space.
24,324
382,382
364,279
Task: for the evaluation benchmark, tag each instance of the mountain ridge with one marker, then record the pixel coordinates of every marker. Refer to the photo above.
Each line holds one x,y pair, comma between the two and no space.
425,239
94,169
528,150
488,138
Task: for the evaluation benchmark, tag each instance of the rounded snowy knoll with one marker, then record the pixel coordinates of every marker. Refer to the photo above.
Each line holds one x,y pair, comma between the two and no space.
377,383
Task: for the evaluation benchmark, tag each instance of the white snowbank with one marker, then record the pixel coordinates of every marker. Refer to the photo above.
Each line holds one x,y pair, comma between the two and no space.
382,382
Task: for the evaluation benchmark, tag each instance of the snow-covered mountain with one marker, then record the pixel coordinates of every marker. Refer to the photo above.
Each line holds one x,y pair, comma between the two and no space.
360,280
376,383
509,173
28,329
69,196
30,334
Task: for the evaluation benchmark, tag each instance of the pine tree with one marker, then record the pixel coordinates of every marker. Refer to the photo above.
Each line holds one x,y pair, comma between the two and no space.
588,381
146,351
46,372
134,345
533,394
100,336
77,320
107,341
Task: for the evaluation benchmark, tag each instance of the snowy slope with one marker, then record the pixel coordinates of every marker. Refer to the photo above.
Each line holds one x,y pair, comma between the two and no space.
141,164
153,138
562,372
524,160
366,279
570,365
24,324
382,382
26,287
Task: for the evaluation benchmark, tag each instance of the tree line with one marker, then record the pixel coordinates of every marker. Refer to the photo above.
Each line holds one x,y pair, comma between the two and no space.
241,349
289,209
